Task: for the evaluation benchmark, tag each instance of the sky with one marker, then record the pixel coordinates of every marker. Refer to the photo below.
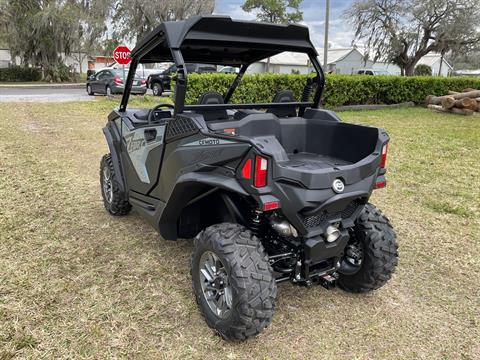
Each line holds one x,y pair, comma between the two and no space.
340,35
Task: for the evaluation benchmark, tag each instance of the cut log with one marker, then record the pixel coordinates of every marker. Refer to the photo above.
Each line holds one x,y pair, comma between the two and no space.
448,102
465,112
470,94
467,103
469,90
452,92
437,100
434,100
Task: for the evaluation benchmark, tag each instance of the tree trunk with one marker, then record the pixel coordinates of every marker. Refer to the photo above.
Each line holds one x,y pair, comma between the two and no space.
410,69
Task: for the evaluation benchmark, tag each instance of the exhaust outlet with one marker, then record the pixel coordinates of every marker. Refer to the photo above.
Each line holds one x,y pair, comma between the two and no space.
332,234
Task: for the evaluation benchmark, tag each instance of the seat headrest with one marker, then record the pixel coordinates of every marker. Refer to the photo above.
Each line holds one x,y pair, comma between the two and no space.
210,98
283,96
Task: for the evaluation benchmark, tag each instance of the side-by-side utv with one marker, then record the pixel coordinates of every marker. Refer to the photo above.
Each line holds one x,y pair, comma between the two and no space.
270,192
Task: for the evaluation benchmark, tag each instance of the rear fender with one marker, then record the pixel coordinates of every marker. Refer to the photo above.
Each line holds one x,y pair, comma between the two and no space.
192,188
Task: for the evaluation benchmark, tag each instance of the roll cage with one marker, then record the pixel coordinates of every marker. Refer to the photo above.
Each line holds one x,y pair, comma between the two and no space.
219,40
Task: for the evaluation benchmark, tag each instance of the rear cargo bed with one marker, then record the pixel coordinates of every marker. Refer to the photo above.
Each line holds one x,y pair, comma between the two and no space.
310,161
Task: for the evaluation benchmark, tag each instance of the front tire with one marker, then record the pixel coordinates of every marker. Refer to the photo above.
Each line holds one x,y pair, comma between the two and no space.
157,89
113,199
371,255
89,90
233,282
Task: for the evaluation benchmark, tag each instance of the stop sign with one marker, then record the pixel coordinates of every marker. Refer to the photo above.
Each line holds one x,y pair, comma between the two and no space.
121,54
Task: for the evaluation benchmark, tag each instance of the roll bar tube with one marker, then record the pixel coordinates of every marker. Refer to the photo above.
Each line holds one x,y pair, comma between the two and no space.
181,82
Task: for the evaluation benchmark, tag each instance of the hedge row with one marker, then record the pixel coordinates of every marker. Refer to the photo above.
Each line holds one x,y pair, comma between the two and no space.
340,89
18,73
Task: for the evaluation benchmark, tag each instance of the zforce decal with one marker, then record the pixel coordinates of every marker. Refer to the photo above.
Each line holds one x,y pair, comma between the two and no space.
138,148
133,144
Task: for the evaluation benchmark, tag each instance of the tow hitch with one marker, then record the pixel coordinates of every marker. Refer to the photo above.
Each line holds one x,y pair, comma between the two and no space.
328,281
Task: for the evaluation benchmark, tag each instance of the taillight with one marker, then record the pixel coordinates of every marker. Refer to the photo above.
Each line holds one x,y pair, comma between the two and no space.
383,160
260,176
143,82
247,169
117,80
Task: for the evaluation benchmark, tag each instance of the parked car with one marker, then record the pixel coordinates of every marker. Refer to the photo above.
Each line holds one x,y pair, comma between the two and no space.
111,82
229,70
372,72
271,192
161,82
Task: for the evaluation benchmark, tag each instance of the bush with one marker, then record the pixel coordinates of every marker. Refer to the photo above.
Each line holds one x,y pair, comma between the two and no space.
59,73
339,90
18,73
423,70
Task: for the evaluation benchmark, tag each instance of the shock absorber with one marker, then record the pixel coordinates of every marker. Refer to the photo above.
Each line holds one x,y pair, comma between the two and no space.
256,221
307,90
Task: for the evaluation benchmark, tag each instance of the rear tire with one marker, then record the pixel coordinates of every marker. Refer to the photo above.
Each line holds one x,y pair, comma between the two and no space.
113,199
157,89
245,272
376,241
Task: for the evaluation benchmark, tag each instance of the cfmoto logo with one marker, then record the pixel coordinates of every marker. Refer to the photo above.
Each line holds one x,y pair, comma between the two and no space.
338,186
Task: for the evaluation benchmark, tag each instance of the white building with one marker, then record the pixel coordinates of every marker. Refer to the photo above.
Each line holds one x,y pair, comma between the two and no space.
342,61
283,63
434,60
77,60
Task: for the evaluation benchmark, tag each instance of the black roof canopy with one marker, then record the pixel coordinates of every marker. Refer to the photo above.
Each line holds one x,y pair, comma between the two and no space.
221,40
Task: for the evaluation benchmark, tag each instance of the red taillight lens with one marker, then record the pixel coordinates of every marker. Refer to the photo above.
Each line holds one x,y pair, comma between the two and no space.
383,160
247,169
143,82
272,205
261,166
117,80
380,184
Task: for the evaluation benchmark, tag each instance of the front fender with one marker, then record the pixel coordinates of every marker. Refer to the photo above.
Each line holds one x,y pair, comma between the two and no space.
117,166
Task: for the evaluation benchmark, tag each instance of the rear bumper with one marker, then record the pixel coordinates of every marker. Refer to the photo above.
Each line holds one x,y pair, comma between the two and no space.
138,90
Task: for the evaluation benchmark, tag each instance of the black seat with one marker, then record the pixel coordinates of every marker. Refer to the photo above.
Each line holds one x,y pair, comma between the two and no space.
281,97
212,98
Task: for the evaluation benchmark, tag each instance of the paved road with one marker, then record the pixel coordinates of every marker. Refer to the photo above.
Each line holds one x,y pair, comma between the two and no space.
43,94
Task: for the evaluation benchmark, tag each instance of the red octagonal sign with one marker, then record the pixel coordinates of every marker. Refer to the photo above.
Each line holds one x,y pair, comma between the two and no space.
121,55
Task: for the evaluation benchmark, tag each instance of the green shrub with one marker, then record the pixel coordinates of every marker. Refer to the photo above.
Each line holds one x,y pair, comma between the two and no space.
423,70
59,73
18,73
339,89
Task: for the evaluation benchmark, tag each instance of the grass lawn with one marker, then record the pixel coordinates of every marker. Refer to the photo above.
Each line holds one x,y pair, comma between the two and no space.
78,283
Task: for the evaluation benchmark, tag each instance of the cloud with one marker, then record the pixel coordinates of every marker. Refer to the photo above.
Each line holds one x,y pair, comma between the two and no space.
340,33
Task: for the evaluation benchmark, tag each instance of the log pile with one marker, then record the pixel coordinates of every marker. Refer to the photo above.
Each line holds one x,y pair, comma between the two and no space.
466,102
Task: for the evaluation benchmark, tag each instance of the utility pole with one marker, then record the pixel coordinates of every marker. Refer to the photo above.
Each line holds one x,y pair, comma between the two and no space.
325,44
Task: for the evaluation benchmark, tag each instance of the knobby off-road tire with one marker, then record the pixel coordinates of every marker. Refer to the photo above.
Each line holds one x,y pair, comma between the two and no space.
114,201
250,277
380,256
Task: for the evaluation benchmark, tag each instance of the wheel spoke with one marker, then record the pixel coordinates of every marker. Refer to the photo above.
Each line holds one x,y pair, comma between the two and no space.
206,274
215,285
